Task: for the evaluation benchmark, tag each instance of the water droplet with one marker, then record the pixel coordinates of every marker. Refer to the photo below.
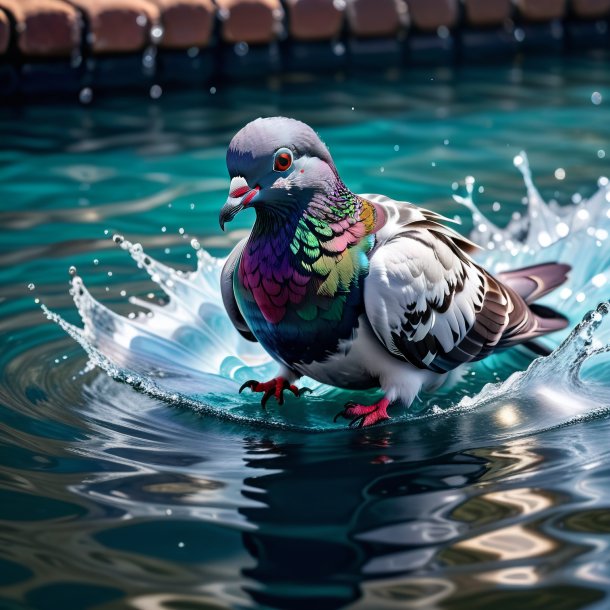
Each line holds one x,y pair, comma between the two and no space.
195,244
446,142
168,511
396,148
241,49
496,206
339,49
519,35
85,96
212,90
560,173
156,92
148,59
96,261
31,286
596,98
582,214
442,32
72,270
192,206
601,153
181,545
37,301
156,33
118,239
167,250
382,169
141,20
123,293
580,297
599,280
562,229
192,52
181,230
544,239
339,4
565,293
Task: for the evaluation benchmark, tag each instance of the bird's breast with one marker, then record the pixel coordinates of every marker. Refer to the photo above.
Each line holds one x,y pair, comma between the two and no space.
291,320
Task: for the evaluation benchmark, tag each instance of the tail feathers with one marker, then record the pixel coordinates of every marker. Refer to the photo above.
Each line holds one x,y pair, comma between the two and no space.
532,283
535,321
548,319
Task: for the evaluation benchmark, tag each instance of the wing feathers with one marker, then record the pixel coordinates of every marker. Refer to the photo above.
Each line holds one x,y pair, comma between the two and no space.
431,305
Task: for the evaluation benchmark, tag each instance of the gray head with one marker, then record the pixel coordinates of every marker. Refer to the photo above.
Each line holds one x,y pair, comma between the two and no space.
276,165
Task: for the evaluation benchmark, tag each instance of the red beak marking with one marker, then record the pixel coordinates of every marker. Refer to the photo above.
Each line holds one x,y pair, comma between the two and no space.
250,196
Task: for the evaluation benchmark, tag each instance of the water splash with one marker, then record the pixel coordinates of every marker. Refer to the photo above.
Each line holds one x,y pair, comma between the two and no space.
187,352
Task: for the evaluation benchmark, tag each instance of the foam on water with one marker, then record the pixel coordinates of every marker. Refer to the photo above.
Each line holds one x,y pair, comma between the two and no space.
187,352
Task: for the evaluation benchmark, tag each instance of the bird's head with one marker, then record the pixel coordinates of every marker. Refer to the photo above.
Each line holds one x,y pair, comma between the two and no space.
276,166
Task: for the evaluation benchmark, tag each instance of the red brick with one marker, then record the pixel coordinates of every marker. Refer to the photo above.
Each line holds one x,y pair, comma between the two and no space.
44,28
251,21
118,26
369,18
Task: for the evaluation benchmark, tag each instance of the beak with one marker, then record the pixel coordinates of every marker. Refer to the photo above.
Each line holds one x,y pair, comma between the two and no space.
240,195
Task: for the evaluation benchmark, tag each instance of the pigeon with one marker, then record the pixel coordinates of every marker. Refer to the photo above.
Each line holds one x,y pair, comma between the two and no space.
360,291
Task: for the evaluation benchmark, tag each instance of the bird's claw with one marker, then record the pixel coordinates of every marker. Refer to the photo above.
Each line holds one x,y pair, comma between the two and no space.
275,387
362,416
247,384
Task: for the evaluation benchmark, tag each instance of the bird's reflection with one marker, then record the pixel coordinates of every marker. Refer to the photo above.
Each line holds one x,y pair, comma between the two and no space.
375,513
390,528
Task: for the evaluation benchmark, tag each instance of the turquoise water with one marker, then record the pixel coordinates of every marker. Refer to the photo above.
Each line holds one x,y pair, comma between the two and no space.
110,497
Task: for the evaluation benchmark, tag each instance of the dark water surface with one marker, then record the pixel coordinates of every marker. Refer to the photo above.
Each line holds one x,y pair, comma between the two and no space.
110,499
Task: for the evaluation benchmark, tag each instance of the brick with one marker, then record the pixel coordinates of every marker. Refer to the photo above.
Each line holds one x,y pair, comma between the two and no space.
44,28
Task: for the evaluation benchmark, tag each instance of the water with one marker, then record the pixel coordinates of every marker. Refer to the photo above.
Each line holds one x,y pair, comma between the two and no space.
112,497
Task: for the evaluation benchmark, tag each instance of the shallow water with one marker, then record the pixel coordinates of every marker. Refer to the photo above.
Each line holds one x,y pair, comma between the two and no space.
110,497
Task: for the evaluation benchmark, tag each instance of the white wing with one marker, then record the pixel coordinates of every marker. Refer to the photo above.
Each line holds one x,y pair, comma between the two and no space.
429,303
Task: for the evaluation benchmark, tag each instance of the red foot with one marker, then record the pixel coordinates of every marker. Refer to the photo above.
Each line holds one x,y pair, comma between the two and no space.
365,415
275,387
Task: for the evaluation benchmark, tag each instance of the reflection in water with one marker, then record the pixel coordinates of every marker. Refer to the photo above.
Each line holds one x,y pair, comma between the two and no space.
369,519
219,520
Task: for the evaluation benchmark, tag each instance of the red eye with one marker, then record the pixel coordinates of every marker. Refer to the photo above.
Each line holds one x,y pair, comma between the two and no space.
282,162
